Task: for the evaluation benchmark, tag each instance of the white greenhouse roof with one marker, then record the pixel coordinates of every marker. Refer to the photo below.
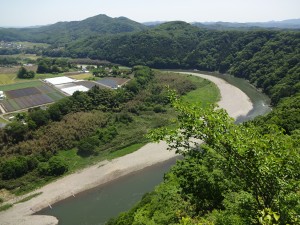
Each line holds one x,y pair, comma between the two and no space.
59,80
71,90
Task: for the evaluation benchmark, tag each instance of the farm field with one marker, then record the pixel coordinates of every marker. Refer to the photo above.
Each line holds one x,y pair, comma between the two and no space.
23,56
32,83
7,79
8,75
82,76
29,94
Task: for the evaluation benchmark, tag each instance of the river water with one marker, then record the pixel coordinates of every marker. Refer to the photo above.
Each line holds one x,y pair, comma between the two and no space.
96,206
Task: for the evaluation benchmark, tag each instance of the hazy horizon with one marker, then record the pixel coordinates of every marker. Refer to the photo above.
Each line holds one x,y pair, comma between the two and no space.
38,13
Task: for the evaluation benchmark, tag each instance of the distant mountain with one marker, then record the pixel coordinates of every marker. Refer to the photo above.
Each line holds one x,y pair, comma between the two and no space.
285,24
64,32
153,23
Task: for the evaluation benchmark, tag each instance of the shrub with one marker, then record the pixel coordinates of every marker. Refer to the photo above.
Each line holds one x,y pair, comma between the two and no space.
87,146
14,168
54,167
57,166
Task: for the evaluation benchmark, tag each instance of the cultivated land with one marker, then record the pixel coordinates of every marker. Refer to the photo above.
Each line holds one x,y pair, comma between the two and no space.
233,100
21,96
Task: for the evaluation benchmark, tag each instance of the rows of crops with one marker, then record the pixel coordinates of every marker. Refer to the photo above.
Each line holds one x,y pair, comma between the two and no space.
29,97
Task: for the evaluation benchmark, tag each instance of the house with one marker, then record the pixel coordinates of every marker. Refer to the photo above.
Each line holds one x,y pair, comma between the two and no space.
2,96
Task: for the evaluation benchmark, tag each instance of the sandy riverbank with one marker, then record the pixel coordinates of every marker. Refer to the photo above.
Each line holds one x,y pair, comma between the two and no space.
233,100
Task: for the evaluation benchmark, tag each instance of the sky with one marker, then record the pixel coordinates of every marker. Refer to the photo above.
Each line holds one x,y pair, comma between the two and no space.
20,13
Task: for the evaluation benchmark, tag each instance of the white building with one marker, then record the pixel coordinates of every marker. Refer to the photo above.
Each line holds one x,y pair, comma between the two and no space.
60,80
2,96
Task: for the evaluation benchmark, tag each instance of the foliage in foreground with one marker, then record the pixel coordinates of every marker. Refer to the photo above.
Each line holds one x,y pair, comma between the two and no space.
241,175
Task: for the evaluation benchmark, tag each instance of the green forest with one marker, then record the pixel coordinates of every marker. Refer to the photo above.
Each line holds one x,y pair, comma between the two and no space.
244,173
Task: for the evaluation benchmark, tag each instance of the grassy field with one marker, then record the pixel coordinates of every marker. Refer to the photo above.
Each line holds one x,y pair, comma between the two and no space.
8,75
76,162
23,56
7,79
47,75
30,83
206,93
124,68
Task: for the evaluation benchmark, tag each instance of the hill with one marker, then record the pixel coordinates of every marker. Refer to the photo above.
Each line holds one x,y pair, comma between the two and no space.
269,59
244,174
285,24
64,32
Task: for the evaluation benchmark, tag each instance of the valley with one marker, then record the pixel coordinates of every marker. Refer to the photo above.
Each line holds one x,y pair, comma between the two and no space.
82,103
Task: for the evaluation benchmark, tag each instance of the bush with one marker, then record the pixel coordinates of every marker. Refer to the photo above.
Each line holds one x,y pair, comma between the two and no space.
87,146
57,166
14,168
124,117
54,167
25,74
107,134
43,169
159,109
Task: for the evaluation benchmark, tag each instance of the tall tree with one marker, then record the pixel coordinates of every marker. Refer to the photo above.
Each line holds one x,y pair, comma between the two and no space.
265,164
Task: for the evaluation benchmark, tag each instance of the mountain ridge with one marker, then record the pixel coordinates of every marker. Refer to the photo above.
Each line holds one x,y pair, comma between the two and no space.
64,32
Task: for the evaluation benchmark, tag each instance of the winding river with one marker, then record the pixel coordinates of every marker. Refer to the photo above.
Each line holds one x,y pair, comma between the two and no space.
96,206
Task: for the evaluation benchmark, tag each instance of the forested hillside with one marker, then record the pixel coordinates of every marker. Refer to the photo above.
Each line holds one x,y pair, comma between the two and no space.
64,32
260,56
270,60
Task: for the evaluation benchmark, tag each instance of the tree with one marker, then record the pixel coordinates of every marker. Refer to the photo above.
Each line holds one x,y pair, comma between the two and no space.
16,131
266,165
39,117
22,71
14,168
24,74
57,166
54,167
87,146
43,68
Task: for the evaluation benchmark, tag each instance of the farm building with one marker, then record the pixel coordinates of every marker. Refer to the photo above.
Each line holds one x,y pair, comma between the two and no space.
68,85
71,90
59,80
113,82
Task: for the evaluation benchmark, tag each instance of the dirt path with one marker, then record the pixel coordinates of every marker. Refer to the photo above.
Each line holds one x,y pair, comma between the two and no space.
233,100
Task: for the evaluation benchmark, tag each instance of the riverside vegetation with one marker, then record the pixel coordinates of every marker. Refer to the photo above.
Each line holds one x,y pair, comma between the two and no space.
244,174
85,127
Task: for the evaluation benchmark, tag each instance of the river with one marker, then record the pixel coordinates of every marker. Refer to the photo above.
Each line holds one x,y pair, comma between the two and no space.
96,206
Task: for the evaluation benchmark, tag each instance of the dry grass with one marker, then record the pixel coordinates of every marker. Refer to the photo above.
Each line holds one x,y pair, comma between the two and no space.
82,76
7,79
8,75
